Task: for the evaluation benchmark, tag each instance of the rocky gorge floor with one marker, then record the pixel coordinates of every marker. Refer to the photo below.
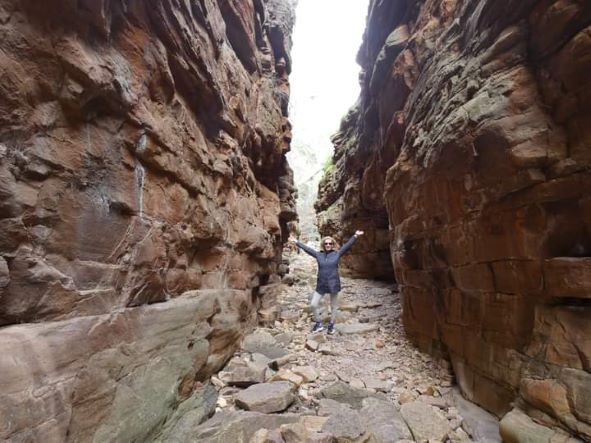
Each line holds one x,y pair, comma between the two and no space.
366,383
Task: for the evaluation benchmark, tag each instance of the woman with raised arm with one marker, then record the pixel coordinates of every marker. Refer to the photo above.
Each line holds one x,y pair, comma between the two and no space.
328,280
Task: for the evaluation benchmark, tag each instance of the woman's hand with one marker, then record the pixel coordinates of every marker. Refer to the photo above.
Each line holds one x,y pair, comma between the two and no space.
358,233
292,240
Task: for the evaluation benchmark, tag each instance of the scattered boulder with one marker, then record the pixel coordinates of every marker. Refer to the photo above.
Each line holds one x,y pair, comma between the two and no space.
305,432
429,390
295,433
425,421
343,393
345,425
314,341
384,421
308,373
217,382
243,373
288,375
266,397
406,397
263,343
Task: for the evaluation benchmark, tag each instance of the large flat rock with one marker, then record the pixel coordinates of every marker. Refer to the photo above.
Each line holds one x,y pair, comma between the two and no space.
262,342
111,376
266,397
425,421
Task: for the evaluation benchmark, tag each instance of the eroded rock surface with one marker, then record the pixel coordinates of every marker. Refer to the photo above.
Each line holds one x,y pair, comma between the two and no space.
144,199
471,140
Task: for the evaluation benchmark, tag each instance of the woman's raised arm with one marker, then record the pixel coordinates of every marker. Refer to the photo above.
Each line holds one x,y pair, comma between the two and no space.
350,242
307,249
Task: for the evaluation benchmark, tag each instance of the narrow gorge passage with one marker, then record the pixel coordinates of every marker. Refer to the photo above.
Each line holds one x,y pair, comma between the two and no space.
150,183
366,383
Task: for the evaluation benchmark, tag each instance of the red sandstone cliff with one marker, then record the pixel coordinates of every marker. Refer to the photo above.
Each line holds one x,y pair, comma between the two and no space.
471,140
144,198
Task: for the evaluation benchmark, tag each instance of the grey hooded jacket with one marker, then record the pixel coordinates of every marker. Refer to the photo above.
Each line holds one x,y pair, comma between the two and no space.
328,280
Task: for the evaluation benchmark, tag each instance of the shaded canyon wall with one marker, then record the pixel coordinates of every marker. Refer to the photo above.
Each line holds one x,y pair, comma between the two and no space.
472,140
144,200
350,198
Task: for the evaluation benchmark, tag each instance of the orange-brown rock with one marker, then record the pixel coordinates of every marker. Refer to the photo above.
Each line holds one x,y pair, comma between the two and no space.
472,135
144,200
346,203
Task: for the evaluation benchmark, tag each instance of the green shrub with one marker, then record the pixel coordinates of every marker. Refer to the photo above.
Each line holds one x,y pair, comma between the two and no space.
328,166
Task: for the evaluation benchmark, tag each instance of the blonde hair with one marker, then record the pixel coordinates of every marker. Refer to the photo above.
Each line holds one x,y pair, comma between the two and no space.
324,239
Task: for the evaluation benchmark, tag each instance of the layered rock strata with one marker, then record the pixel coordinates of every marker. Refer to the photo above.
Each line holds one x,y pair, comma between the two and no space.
144,199
472,134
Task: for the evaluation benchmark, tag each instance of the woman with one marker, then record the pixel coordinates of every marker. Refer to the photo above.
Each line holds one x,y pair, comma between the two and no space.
328,281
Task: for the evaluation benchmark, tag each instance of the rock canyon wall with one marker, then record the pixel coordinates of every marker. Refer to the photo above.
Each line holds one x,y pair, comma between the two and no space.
144,200
471,141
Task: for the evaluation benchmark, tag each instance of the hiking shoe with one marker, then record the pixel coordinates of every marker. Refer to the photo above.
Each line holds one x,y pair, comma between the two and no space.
330,328
318,327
